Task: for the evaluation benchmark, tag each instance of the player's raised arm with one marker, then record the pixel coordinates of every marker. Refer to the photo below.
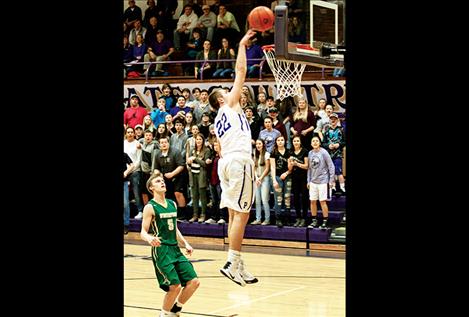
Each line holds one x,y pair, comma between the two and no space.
241,69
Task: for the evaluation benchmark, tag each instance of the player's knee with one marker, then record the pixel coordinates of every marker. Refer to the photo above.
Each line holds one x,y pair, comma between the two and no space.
195,283
175,288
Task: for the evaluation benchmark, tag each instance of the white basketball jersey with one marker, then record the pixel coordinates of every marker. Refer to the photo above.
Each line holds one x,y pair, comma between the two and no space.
233,131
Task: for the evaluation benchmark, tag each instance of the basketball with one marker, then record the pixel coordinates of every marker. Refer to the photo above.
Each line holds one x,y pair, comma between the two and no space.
261,19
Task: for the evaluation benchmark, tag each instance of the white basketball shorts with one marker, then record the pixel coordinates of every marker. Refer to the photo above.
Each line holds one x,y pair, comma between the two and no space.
236,172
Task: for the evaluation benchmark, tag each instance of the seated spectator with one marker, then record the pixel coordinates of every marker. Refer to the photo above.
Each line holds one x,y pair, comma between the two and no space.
152,29
195,6
193,47
138,52
166,10
127,54
253,54
160,50
225,69
132,14
227,27
150,12
207,23
205,69
185,25
138,29
296,30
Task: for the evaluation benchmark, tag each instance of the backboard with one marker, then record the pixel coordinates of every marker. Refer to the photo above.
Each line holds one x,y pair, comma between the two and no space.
323,22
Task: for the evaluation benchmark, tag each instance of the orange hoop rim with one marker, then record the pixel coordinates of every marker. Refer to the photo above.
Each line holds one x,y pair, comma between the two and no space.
268,47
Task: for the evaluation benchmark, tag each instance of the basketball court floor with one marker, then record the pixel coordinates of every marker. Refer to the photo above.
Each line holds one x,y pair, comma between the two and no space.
289,285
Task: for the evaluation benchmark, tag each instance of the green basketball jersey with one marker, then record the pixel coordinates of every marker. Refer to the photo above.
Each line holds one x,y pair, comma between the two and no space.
164,223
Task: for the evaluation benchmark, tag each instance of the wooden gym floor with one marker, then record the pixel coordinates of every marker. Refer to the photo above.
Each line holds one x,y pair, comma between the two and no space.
289,285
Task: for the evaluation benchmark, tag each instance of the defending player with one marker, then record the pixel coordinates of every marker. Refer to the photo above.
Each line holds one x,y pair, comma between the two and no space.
172,268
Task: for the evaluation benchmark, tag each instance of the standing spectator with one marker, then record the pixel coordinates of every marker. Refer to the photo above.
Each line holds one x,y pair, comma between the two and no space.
158,115
178,139
320,177
253,124
281,180
132,14
269,134
276,123
215,188
334,142
202,106
138,132
262,172
303,123
135,154
198,161
170,163
148,146
161,132
135,113
128,167
225,69
179,112
170,125
168,96
204,126
262,103
298,164
148,125
189,124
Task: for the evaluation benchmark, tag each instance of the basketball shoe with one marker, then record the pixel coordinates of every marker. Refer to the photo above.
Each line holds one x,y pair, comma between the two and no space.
244,273
230,270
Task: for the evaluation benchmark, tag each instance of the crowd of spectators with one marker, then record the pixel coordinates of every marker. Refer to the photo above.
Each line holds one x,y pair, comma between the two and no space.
177,137
202,32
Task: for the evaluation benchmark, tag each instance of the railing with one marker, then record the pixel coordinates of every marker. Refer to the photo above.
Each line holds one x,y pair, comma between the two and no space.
204,62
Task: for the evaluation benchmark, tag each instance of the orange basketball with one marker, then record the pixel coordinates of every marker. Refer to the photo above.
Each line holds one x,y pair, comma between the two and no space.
261,18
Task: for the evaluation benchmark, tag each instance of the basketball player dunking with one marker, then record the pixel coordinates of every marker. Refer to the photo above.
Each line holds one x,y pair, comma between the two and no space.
236,167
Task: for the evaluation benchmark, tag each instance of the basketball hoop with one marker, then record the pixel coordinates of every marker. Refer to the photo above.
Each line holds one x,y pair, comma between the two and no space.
287,73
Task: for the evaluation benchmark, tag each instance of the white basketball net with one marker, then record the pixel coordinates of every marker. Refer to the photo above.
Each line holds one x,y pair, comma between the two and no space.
287,74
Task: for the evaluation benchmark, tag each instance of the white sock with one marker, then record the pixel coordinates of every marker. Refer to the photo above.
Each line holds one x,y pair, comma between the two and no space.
342,186
234,256
164,313
178,304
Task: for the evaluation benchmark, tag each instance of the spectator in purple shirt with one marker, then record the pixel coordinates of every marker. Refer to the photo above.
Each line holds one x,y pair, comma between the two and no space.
253,51
159,50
